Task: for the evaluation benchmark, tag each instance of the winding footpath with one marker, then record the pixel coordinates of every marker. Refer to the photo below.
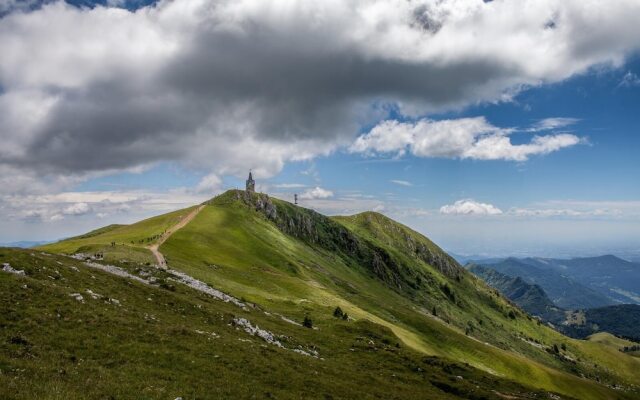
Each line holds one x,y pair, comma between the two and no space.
162,263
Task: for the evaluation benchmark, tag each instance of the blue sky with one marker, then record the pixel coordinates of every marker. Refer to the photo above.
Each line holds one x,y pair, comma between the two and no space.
452,151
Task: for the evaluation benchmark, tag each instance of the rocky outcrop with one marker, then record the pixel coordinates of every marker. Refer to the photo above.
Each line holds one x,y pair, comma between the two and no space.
440,260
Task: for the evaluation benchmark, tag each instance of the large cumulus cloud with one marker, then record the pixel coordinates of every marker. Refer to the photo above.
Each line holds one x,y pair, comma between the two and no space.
225,85
472,138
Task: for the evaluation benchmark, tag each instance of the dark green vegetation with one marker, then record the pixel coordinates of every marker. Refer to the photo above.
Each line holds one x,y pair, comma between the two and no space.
298,264
562,290
531,298
621,320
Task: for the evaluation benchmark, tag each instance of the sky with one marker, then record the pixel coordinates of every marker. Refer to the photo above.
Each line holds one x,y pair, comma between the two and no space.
506,127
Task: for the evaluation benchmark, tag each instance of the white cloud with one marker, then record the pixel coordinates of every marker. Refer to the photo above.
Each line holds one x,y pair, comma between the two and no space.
316,193
579,209
289,185
473,138
56,217
77,209
553,123
470,207
32,215
209,184
54,207
561,212
629,79
567,209
401,183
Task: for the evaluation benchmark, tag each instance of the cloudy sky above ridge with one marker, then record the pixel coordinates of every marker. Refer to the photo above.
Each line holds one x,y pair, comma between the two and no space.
445,114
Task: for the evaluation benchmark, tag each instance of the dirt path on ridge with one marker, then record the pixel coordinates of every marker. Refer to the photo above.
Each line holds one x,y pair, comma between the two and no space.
184,221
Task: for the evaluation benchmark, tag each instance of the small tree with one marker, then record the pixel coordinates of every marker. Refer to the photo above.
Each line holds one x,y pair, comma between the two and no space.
555,348
563,347
338,313
433,311
448,292
307,323
345,316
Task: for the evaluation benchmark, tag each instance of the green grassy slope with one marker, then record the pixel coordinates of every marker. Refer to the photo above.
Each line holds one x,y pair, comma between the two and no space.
295,262
616,344
126,340
610,340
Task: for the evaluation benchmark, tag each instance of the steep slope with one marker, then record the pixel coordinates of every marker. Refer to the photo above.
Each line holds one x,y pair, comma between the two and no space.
563,291
294,262
531,298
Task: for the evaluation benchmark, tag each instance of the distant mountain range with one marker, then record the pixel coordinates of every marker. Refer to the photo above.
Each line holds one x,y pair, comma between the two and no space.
561,289
531,298
609,275
24,244
621,320
578,283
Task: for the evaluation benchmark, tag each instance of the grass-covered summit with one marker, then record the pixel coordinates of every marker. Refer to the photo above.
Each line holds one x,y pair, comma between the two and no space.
290,264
